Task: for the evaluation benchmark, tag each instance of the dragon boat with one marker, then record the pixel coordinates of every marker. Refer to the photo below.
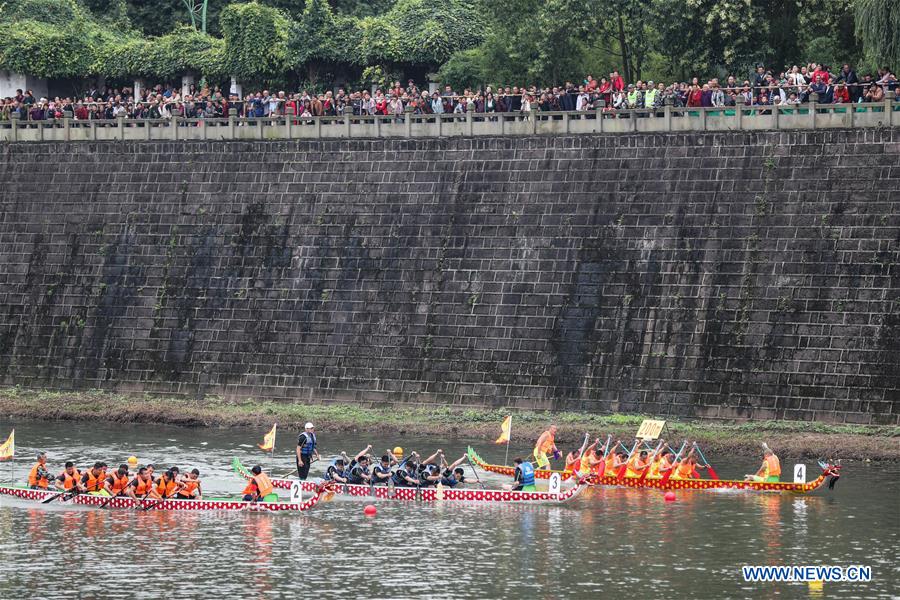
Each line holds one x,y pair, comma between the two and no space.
426,494
677,484
125,502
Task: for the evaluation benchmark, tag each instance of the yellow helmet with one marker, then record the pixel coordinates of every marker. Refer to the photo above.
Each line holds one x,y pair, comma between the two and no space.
398,451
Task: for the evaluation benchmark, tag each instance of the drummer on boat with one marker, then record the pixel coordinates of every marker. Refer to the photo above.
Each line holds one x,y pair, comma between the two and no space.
770,470
546,444
258,487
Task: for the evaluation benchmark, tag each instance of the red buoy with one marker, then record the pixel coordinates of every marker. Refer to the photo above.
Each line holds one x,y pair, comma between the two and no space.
370,510
670,496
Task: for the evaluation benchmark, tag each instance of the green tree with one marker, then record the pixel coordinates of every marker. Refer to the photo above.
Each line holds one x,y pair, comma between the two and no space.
319,39
878,28
430,32
256,41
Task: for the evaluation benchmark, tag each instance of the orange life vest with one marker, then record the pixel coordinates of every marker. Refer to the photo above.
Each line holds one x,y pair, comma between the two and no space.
548,444
69,481
142,487
773,466
189,485
34,480
165,489
654,468
610,461
573,465
94,483
251,488
685,470
264,484
118,483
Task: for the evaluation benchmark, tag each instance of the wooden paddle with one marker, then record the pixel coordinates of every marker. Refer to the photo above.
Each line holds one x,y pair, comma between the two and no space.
712,472
477,478
62,493
602,471
111,497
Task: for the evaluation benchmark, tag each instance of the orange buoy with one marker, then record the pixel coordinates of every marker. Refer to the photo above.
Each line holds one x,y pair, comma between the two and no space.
370,510
669,497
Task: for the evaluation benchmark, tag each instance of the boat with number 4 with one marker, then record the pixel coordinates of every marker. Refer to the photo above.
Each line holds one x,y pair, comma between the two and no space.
426,494
126,502
678,484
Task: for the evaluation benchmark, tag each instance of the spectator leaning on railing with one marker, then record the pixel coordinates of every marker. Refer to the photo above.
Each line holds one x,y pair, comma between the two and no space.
792,86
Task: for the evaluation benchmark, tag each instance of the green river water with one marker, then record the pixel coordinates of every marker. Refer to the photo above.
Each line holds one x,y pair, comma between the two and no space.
610,542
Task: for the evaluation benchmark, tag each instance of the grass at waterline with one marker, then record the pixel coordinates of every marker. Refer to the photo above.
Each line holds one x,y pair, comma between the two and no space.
796,438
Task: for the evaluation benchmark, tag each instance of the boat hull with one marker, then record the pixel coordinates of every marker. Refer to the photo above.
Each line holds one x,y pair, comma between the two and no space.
428,494
671,484
212,504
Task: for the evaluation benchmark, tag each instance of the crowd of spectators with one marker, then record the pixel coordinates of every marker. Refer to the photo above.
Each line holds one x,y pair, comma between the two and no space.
764,88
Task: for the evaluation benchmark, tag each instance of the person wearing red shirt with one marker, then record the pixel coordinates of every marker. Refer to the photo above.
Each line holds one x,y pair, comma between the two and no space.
618,84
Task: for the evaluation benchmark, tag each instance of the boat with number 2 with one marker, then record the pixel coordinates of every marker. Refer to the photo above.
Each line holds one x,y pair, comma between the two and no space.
427,494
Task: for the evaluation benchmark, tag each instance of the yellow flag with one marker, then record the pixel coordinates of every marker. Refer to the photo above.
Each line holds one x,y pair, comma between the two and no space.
505,428
8,448
269,440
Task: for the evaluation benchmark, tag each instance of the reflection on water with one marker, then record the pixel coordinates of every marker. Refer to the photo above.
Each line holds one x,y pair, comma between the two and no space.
612,541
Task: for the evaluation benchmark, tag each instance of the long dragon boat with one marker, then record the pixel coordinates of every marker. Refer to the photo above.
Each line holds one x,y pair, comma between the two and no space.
426,494
675,484
125,502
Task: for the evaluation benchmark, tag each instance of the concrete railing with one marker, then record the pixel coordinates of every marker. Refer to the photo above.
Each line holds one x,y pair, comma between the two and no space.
663,119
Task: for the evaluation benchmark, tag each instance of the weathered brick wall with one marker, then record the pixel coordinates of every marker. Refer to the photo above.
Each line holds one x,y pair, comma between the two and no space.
750,275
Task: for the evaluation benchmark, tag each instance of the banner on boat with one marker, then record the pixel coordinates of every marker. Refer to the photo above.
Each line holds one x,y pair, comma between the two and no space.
8,448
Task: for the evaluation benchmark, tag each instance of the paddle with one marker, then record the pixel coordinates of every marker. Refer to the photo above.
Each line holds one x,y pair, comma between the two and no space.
111,497
712,472
624,468
668,474
650,462
62,493
477,478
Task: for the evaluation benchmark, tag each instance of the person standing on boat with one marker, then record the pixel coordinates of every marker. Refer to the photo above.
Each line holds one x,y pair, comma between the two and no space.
39,477
306,450
524,476
770,470
546,444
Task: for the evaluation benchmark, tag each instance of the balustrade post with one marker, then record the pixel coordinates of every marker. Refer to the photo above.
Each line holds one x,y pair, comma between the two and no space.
173,127
120,123
889,97
667,117
813,100
14,118
67,124
289,114
470,118
232,117
409,114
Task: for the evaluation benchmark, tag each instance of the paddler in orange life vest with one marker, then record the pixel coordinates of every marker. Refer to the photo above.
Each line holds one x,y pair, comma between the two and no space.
70,479
258,487
574,458
167,485
770,470
190,486
117,483
39,477
94,479
546,444
143,485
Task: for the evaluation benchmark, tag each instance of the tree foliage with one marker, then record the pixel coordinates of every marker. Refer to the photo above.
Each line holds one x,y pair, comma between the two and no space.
878,27
256,41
